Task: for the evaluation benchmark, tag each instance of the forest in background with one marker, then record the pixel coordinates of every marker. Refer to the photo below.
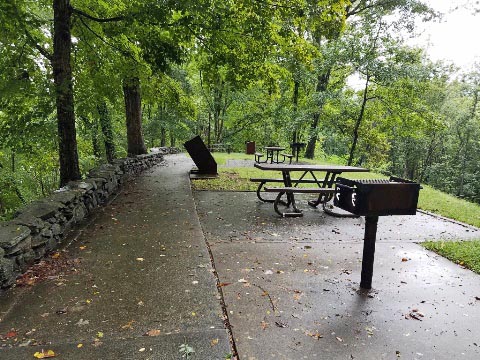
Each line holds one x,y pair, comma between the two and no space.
84,82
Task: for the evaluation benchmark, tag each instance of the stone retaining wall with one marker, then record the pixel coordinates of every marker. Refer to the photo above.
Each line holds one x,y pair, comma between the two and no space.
40,227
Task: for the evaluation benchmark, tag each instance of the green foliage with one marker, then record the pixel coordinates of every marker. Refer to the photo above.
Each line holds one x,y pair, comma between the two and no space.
186,351
239,71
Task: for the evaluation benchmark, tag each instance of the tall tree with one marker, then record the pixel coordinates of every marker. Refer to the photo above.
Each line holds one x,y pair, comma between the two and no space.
352,10
133,111
62,74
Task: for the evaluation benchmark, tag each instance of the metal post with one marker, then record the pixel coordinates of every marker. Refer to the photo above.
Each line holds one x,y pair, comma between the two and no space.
368,251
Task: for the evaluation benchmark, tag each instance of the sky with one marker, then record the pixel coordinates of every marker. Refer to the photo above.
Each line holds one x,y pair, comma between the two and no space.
455,37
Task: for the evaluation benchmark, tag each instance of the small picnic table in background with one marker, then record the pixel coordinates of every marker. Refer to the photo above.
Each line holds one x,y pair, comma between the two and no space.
273,153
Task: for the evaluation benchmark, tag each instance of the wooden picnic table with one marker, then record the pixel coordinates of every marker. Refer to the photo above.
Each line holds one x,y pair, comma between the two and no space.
324,184
271,151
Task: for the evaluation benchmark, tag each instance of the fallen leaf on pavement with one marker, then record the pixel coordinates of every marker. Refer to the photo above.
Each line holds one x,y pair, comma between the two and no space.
315,335
414,314
404,259
97,343
82,322
224,284
264,324
44,354
214,342
153,332
128,325
11,334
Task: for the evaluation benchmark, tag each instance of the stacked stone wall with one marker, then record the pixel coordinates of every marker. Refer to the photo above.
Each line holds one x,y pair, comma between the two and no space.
41,226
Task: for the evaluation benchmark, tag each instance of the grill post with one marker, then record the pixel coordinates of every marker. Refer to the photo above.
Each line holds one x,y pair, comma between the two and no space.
368,251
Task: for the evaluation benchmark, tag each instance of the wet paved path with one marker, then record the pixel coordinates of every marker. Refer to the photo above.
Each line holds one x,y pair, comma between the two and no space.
143,266
291,285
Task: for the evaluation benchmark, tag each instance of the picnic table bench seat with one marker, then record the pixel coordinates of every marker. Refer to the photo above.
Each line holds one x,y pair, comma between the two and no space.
290,190
258,156
299,190
285,156
263,181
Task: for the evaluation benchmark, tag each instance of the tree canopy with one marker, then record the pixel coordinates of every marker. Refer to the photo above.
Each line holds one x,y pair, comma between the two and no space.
83,82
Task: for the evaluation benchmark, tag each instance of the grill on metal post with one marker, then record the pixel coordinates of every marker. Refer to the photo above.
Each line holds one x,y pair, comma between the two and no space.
374,198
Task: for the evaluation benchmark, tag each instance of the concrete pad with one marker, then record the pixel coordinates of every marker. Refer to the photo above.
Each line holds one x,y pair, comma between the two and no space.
142,265
291,286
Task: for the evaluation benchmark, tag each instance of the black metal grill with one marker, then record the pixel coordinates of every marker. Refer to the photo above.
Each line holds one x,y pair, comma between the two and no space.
374,198
372,181
377,197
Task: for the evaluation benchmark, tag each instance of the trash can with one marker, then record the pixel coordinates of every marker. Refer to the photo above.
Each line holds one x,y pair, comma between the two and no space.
250,147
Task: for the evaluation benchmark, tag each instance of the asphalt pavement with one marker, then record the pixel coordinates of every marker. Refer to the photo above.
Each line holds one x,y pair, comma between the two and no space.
136,282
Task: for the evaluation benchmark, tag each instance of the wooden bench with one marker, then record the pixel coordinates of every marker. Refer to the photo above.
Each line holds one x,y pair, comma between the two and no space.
289,156
258,156
298,190
291,190
263,181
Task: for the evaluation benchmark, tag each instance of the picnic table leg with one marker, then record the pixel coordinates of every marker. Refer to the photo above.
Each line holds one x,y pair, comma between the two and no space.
269,156
327,183
259,189
259,196
290,198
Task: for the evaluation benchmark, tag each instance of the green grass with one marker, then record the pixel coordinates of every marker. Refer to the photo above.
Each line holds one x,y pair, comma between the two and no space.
449,206
465,253
435,201
221,158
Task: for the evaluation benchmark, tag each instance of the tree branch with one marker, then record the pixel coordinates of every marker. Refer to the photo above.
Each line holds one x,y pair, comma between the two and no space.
40,49
123,52
94,18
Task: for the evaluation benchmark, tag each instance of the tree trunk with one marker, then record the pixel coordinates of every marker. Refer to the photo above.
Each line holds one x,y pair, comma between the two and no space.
218,98
107,131
358,122
209,135
133,111
163,137
296,86
95,144
322,85
13,161
62,74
